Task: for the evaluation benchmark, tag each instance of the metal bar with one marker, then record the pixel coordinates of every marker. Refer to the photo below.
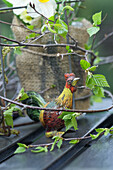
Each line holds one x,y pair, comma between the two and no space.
3,75
69,56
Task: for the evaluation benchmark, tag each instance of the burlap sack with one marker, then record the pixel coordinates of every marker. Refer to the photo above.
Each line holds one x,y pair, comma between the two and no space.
39,68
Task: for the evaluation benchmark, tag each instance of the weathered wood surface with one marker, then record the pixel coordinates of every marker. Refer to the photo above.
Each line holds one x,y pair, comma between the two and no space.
80,156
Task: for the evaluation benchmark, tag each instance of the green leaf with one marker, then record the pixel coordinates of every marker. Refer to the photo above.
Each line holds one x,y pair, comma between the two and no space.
94,136
93,68
87,47
98,91
22,145
59,143
68,116
22,95
74,141
65,113
56,137
111,130
31,27
51,30
106,132
97,18
43,28
53,145
8,117
93,30
67,47
17,109
76,114
74,123
52,18
68,123
40,149
46,150
84,64
90,82
100,80
62,29
68,7
100,130
20,150
32,35
96,99
17,50
7,3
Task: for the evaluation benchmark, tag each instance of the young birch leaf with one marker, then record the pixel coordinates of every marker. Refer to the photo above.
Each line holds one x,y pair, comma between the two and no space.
67,47
93,30
68,116
38,151
106,132
96,99
93,68
63,29
100,130
94,136
90,82
53,145
100,80
20,149
24,96
68,7
8,117
46,150
98,91
59,143
22,145
17,51
111,132
84,64
43,28
74,122
74,141
52,18
68,123
97,18
51,30
31,27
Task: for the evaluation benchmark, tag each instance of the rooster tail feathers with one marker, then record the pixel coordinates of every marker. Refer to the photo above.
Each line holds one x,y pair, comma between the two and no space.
34,99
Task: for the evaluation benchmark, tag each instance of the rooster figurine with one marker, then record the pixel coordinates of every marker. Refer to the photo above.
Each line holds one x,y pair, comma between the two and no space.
49,119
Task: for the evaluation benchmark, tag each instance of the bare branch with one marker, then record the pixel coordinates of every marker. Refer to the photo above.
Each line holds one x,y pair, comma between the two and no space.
52,109
104,39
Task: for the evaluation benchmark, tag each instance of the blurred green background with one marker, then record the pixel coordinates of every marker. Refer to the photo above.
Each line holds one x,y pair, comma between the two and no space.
89,7
106,49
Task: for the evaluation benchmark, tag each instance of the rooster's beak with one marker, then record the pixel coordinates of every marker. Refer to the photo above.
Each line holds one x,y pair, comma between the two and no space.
75,80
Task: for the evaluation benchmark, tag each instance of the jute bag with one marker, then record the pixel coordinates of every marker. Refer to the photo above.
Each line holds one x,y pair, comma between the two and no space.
39,68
